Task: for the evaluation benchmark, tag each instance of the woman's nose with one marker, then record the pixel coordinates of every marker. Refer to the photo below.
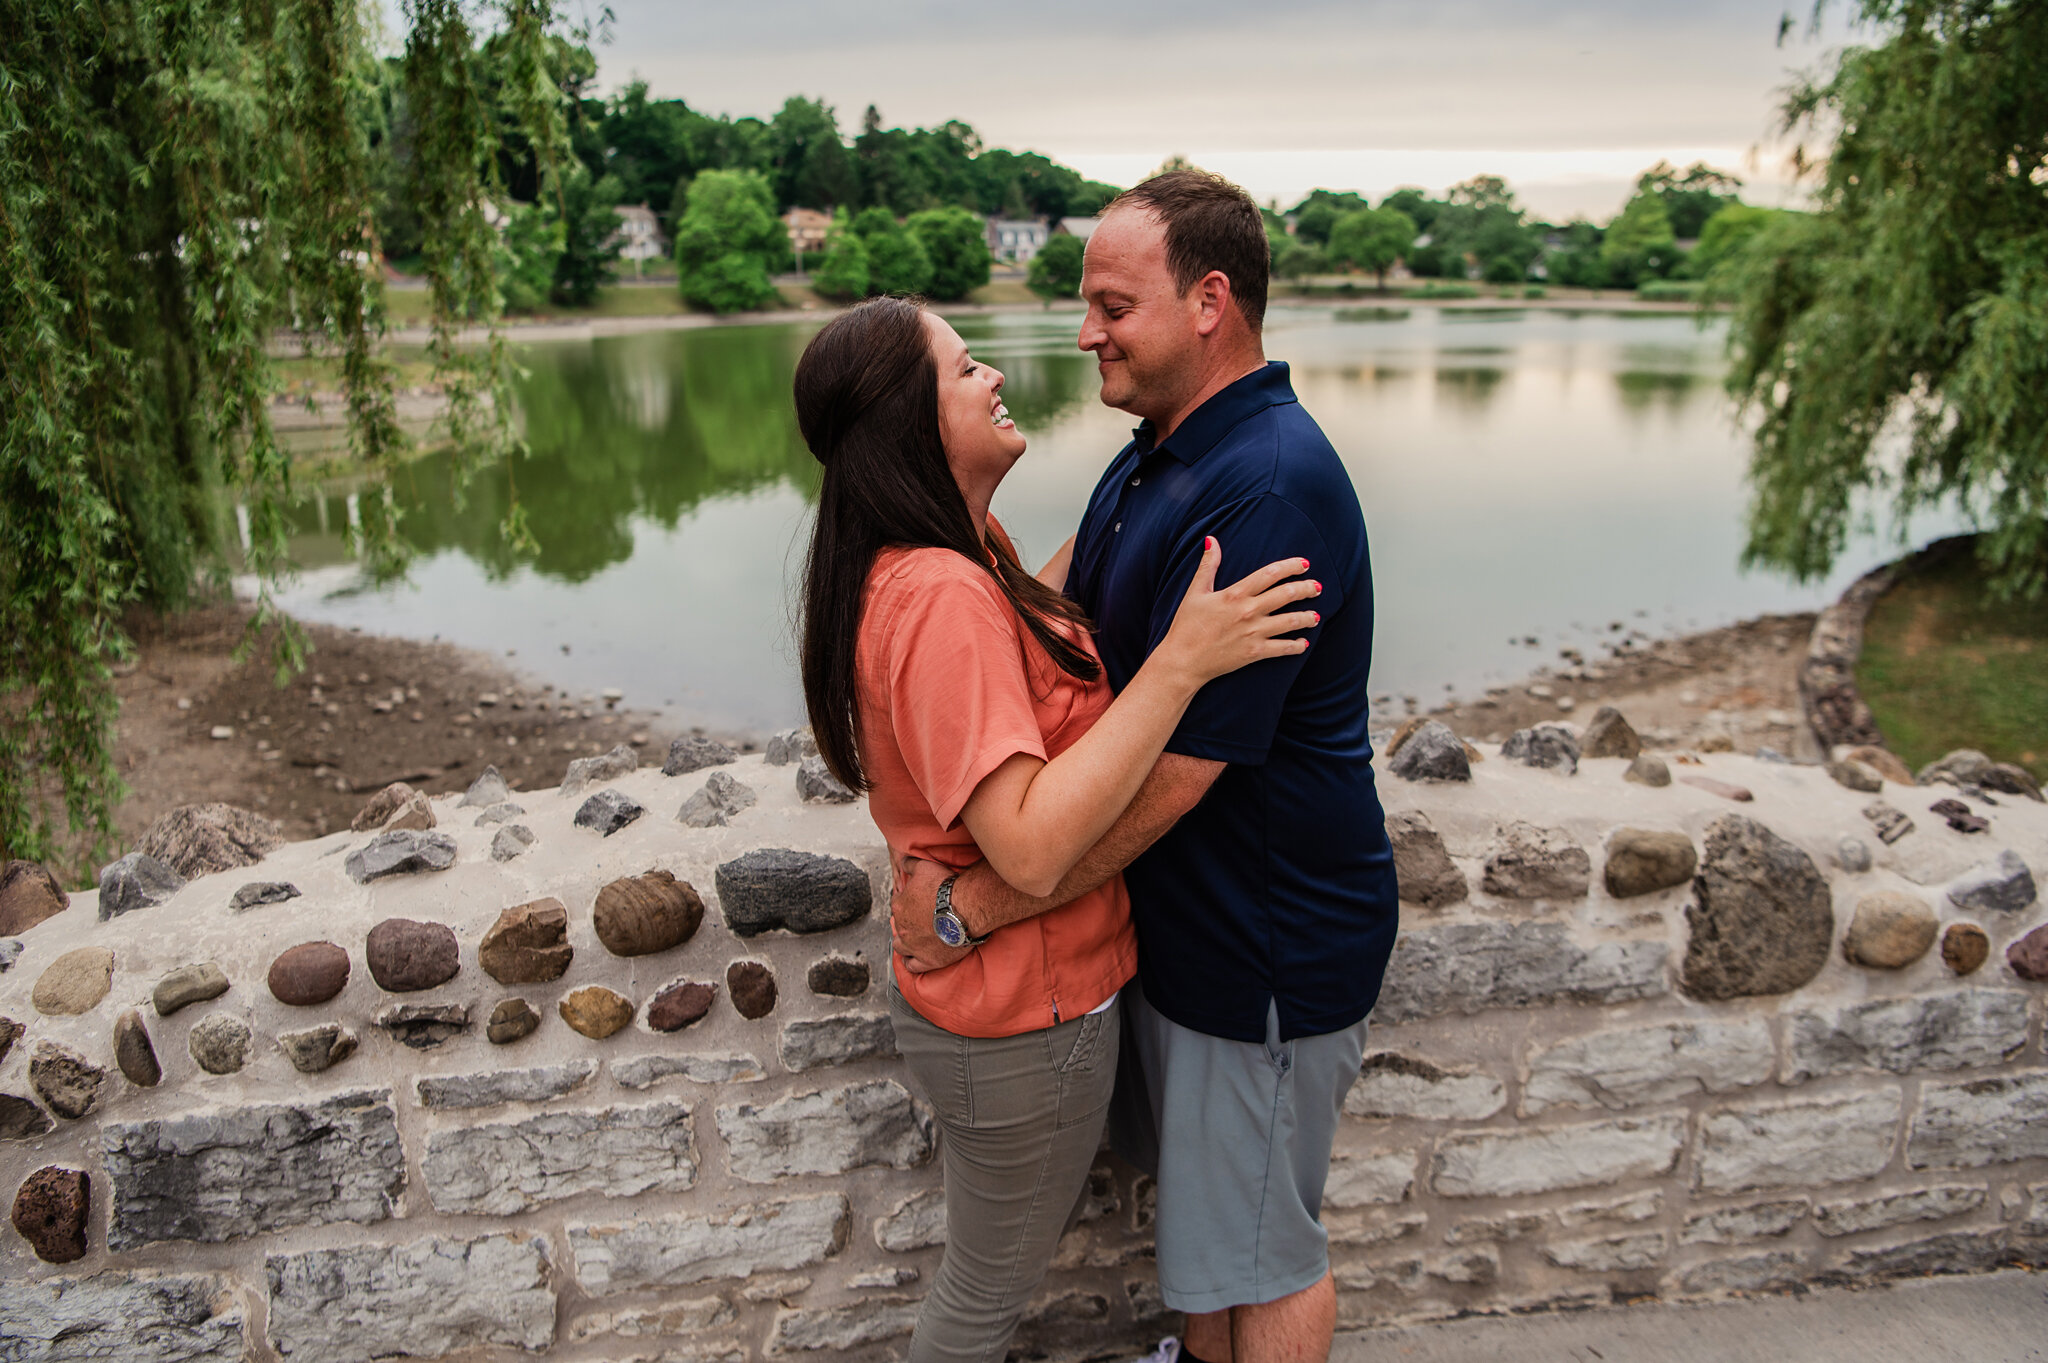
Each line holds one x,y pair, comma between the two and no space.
996,380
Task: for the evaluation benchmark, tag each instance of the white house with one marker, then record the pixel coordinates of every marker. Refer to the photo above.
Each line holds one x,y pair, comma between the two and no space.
1016,239
638,235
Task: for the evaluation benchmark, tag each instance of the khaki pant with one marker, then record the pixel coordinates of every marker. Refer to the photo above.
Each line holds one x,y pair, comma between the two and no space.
1020,1119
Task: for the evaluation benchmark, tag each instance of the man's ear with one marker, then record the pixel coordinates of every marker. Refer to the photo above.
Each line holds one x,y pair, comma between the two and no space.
1212,298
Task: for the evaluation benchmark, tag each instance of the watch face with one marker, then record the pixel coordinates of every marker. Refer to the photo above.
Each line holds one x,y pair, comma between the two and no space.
950,930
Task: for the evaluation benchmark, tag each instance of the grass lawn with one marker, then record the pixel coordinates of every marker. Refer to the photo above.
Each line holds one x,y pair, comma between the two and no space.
1944,667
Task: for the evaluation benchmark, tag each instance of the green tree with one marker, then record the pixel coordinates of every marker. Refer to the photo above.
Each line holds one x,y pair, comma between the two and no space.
957,243
1415,205
1690,197
729,241
1056,269
844,275
1316,216
1724,238
897,262
1640,244
812,168
589,225
1372,239
529,243
1915,298
1576,260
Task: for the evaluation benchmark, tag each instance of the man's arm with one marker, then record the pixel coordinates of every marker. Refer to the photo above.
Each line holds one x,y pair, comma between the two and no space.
986,902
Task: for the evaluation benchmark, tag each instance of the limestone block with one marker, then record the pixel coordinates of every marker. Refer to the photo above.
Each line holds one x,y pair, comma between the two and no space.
534,1085
513,1167
674,1251
1528,862
829,1132
839,1328
1611,1254
917,1222
1392,1085
1946,1031
135,1318
1763,921
1856,1215
644,1071
837,1040
1750,1273
1627,1211
684,1317
1738,1225
1371,1226
1509,1164
1370,1179
224,1173
1956,1252
2001,885
1631,1066
425,1298
1977,1122
1790,1145
775,888
1470,967
1505,1229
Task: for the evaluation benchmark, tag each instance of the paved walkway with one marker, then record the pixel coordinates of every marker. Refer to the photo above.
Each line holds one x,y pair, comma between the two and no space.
1985,1318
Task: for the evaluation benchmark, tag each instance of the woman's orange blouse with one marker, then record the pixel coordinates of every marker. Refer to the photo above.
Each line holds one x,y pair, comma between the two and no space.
952,685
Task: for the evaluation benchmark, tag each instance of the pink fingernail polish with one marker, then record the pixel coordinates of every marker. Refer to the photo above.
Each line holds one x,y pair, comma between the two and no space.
1318,615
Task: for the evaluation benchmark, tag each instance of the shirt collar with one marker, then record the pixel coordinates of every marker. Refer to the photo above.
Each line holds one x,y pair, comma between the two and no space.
1221,413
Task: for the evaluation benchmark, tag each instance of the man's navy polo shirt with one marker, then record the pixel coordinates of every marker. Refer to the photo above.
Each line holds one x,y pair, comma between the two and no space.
1279,885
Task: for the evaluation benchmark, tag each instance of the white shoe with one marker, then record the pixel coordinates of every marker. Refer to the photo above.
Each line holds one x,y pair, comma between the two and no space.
1167,1352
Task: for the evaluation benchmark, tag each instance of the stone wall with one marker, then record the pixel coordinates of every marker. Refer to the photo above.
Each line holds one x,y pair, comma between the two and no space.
621,1085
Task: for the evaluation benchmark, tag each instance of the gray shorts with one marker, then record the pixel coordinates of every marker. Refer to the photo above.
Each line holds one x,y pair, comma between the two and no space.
1239,1135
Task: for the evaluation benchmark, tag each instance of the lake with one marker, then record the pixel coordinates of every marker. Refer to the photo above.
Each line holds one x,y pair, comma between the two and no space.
1526,475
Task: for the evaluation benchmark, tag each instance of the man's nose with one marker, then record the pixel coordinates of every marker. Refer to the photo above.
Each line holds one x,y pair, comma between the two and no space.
1092,335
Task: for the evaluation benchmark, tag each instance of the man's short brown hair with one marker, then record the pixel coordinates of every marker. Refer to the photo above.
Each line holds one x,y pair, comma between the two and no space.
1211,224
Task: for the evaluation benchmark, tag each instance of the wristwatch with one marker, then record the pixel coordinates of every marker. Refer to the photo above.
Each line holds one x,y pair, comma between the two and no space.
946,922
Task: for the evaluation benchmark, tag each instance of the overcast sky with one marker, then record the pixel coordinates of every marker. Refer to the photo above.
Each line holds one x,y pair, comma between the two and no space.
1568,100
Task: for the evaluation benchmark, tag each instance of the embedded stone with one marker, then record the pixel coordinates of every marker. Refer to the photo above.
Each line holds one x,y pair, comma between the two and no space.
200,840
406,956
383,807
1648,770
2009,778
1958,816
1749,1273
1795,1145
492,1087
424,1298
511,1020
1857,776
1515,1163
1633,1066
1727,790
1646,860
837,1329
510,841
1857,1215
775,888
1852,855
1889,930
75,982
10,952
1471,967
608,811
815,784
751,986
1762,920
262,892
595,1011
675,1251
842,977
687,1316
1528,862
1970,1251
713,806
514,1167
308,974
1882,761
317,1049
1962,767
1422,866
1738,1225
1394,1085
133,1051
187,985
416,814
136,881
1974,1122
22,1119
50,1211
588,771
640,915
838,1040
10,1032
2003,885
1609,735
1628,1211
1546,745
694,752
529,944
791,745
219,1043
644,1071
399,852
873,1124
1891,823
1954,1030
1431,753
1610,1254
66,1081
680,1004
498,813
2028,957
488,789
424,1025
29,894
132,1317
917,1222
1964,947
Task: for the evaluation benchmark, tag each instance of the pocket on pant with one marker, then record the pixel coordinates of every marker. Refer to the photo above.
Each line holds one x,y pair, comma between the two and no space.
1084,1047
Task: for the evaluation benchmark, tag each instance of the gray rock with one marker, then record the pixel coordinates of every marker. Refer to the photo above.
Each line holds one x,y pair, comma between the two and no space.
1659,1063
1648,770
1471,967
1971,1251
1422,866
1546,745
1797,1145
674,1251
775,888
262,892
1609,1254
75,982
487,790
1646,860
837,1040
136,881
2003,885
66,1081
1963,767
188,984
833,1132
503,1170
1391,1085
917,1222
1857,776
400,852
840,1328
1852,855
425,1298
790,746
1891,824
1763,921
1958,1029
1432,753
132,1318
1739,1225
644,1071
21,1119
1749,1273
713,806
1889,930
199,840
221,1174
510,841
588,771
220,1043
815,784
503,812
1857,1215
1975,1122
424,1025
317,1048
608,811
1519,1163
2009,778
134,1053
10,952
694,752
504,1086
1609,735
1528,862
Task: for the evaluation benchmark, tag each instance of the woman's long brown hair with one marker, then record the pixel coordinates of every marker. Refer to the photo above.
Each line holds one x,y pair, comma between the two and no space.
867,401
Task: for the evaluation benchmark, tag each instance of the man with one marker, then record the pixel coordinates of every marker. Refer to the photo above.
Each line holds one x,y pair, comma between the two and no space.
1266,903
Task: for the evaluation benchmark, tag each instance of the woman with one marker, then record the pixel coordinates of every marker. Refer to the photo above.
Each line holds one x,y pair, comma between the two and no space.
965,695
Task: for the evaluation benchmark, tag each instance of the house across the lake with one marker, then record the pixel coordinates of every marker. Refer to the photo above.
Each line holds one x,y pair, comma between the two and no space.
807,229
638,235
1016,239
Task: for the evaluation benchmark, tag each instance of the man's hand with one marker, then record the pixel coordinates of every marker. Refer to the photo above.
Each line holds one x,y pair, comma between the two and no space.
912,902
